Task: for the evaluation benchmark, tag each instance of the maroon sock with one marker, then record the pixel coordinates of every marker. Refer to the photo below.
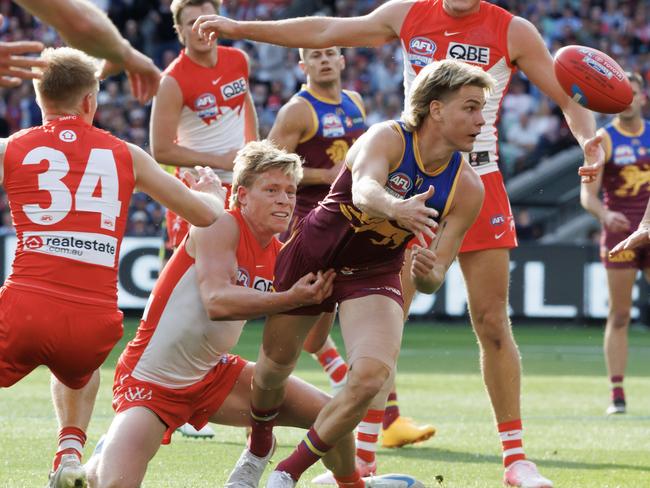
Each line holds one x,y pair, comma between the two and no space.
308,452
617,387
261,438
391,412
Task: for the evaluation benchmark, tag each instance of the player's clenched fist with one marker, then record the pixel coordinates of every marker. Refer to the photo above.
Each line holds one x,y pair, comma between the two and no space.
313,288
211,27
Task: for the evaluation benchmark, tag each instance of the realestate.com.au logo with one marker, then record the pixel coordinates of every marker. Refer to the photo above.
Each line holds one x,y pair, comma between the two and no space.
80,246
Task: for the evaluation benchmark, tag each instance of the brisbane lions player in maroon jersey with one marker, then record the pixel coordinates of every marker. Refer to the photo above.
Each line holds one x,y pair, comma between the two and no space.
487,36
69,187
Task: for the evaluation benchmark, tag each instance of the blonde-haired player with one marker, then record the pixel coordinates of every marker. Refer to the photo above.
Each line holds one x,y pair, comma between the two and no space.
69,187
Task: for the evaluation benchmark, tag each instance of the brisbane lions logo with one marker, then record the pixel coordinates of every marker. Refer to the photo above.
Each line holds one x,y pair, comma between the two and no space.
382,232
337,151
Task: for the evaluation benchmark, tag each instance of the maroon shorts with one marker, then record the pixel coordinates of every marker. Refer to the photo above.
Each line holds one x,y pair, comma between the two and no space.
628,259
71,339
193,404
294,262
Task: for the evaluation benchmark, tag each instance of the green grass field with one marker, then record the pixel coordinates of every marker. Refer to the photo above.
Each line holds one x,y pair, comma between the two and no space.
565,393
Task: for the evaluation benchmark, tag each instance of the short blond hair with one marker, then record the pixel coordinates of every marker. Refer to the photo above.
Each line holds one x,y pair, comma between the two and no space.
258,157
177,7
437,81
302,51
69,75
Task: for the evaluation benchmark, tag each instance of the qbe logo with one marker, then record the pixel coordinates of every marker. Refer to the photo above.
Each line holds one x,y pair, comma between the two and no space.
469,53
33,242
234,88
262,284
399,184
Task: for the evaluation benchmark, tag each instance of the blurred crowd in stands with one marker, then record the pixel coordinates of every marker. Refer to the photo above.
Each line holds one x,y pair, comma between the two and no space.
531,126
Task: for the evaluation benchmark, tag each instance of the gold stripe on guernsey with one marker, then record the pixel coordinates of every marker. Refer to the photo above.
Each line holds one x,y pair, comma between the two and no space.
311,447
607,143
357,102
314,117
398,128
321,98
418,159
450,197
391,403
623,132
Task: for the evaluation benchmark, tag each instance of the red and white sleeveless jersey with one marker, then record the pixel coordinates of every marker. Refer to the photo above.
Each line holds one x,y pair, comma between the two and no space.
213,117
177,344
69,185
429,33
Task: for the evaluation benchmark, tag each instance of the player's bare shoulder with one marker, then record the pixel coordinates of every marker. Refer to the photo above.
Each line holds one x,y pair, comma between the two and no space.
393,13
383,138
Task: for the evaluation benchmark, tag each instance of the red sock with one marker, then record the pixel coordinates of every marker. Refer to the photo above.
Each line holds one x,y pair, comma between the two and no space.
392,410
512,440
261,438
333,364
352,481
617,387
308,452
71,441
368,434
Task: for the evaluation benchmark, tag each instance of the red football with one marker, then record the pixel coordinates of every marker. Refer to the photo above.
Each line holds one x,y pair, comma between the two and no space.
592,79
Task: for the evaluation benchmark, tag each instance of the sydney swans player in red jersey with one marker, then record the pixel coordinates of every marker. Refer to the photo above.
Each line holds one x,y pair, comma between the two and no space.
69,186
178,368
398,180
203,112
625,181
487,36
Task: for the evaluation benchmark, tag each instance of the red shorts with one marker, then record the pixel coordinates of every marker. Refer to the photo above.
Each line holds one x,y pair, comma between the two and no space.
71,339
495,226
193,404
293,263
177,227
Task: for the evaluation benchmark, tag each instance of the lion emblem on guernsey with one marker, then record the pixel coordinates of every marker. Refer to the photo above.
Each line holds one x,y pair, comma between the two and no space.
387,233
337,151
633,179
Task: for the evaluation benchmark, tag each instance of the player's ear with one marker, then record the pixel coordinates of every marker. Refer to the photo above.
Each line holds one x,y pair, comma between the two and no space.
435,110
242,195
87,103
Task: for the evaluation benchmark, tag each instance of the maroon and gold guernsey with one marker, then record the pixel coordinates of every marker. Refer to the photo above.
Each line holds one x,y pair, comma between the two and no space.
342,237
626,176
337,124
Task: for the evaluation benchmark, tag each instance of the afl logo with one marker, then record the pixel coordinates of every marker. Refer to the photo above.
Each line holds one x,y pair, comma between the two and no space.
33,242
67,135
400,183
243,278
422,46
421,51
205,101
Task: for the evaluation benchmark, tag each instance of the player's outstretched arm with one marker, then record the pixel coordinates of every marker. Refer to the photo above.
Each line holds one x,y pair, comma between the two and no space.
165,117
200,205
84,26
376,28
429,265
528,51
215,251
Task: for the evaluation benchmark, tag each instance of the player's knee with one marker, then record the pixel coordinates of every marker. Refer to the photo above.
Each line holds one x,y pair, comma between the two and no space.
492,328
366,378
619,319
271,375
